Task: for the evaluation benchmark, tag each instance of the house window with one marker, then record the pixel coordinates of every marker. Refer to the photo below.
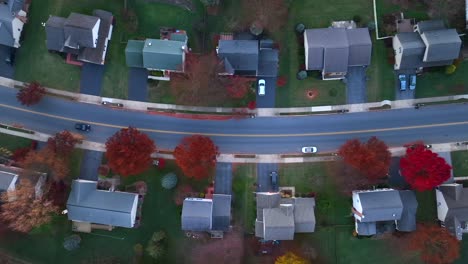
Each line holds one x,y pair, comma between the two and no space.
439,204
399,49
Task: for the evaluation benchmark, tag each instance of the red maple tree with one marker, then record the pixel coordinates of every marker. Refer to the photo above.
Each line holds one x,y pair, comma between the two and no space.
252,105
129,151
238,87
435,244
423,169
62,143
196,156
371,158
31,94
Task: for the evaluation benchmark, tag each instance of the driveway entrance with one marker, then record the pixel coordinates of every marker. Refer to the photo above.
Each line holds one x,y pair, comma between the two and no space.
356,87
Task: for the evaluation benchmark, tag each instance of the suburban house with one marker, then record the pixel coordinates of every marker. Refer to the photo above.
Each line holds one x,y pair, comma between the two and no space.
431,44
279,218
83,36
333,50
87,204
201,214
12,18
384,210
159,56
248,57
452,208
10,178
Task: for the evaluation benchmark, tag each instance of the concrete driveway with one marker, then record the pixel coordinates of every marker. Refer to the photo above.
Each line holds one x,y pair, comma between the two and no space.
356,85
407,94
263,176
90,164
223,180
6,70
91,79
137,84
268,100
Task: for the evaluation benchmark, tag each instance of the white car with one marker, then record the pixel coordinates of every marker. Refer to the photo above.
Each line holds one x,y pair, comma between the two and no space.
307,150
261,87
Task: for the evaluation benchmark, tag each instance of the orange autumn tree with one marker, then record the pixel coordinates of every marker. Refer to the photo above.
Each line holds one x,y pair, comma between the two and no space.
46,161
371,158
196,156
23,211
129,151
291,258
435,244
62,143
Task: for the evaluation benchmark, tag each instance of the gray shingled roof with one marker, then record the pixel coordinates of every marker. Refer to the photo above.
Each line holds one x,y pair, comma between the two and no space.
7,179
78,30
87,204
366,229
134,53
221,212
267,200
380,205
441,45
458,207
163,54
196,214
97,54
360,46
279,223
407,222
243,55
6,20
429,25
304,215
335,49
412,50
55,33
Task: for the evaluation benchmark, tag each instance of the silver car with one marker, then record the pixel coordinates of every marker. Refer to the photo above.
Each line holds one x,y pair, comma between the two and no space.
308,150
261,87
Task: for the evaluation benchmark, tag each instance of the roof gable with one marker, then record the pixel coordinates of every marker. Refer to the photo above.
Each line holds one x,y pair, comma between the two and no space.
304,215
380,205
243,55
278,223
163,54
196,214
221,211
134,53
441,45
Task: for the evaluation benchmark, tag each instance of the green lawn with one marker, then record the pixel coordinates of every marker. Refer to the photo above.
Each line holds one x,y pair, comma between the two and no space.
460,163
381,77
44,245
244,212
11,142
437,83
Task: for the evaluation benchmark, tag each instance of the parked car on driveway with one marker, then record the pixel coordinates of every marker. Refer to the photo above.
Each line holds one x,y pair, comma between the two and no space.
274,180
261,87
403,82
412,85
83,127
307,150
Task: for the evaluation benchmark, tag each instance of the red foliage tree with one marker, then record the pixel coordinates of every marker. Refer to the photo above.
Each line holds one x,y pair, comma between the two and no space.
281,81
269,14
237,86
196,156
62,143
435,244
252,105
422,169
371,158
31,94
129,151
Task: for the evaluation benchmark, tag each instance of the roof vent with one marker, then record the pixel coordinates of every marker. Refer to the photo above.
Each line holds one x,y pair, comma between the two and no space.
149,43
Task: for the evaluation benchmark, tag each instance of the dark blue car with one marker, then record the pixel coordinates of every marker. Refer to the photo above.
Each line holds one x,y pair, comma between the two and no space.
83,127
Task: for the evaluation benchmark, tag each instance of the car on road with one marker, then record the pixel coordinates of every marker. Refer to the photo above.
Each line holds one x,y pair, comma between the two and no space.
261,87
412,85
83,127
274,179
307,150
403,82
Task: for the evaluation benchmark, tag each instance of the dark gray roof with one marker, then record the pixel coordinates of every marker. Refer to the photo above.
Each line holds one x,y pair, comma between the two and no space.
221,212
164,54
334,49
366,229
15,5
97,55
456,207
259,228
429,25
243,55
454,226
266,44
304,215
380,205
87,204
7,14
7,179
412,50
196,214
441,45
76,20
279,223
268,63
6,38
55,33
360,47
407,222
78,30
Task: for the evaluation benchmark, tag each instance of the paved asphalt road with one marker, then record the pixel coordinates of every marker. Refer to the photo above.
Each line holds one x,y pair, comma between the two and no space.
252,135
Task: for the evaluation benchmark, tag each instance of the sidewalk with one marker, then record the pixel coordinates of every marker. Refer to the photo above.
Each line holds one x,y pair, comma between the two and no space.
243,158
261,112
